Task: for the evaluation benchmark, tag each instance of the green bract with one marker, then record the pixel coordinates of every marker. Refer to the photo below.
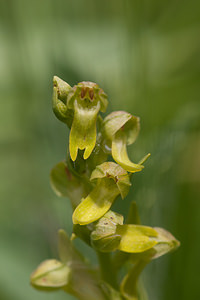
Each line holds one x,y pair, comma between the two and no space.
111,180
121,129
65,184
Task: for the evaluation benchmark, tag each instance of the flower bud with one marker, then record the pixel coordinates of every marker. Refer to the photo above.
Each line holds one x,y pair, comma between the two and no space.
121,129
104,237
111,181
60,92
50,274
86,100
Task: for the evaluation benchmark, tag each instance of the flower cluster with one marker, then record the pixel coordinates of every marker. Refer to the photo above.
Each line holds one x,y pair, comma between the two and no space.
96,172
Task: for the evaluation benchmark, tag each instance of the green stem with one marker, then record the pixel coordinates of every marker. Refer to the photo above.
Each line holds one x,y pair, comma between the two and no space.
108,272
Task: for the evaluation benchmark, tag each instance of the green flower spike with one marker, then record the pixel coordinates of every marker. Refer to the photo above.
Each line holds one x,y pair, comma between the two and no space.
111,181
121,129
86,100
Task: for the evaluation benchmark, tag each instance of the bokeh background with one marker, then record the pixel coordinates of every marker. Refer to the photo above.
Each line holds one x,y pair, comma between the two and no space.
145,55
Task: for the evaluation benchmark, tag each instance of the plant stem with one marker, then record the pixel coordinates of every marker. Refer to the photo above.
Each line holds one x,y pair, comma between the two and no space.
108,272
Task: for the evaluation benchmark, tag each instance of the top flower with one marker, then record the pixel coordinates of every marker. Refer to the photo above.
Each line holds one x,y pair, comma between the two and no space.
82,103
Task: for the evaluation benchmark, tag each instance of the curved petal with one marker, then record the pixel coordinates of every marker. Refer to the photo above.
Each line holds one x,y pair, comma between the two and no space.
119,154
97,203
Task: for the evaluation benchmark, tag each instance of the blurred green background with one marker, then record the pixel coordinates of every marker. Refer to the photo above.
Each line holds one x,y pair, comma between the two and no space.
145,55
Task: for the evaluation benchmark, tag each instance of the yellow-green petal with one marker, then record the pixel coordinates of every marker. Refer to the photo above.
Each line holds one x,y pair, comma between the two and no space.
136,238
83,131
97,203
111,180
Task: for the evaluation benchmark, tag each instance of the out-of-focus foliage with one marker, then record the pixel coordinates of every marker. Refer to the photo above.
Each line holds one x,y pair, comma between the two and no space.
145,55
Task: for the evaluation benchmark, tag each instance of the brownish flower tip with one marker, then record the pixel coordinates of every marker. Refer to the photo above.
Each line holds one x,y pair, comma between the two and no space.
83,92
91,94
